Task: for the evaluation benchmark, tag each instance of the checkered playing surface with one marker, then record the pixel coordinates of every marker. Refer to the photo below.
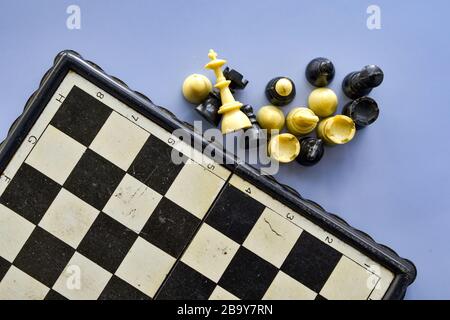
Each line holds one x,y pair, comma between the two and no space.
97,210
101,194
245,250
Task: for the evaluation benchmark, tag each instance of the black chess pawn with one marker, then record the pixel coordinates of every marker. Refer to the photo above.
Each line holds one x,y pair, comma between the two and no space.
363,111
320,72
360,83
311,151
254,134
280,91
210,107
237,79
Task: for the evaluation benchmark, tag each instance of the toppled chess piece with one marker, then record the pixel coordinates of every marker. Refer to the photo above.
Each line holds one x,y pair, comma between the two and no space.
196,88
254,134
280,91
361,83
320,72
284,147
363,111
233,118
311,151
301,121
209,109
237,79
336,130
323,101
270,118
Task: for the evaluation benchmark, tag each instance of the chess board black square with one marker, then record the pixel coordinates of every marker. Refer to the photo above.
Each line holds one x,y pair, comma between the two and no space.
94,179
4,267
107,242
53,295
81,116
184,283
154,167
248,276
30,193
170,227
234,214
117,289
311,261
44,256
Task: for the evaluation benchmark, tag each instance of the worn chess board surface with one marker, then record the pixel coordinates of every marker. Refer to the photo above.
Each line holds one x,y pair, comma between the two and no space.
93,207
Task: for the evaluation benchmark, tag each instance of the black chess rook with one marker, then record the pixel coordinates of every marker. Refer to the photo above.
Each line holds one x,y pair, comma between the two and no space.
361,83
237,79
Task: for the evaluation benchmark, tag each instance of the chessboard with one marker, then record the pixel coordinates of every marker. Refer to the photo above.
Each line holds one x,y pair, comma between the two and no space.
93,206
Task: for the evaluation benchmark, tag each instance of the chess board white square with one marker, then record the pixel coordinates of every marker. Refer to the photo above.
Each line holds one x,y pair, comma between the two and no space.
145,267
17,285
285,287
272,237
82,279
55,154
119,141
69,218
132,203
195,189
348,281
220,293
14,232
210,252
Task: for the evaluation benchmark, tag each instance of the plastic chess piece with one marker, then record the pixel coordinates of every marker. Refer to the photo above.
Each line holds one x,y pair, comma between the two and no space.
237,79
284,147
320,72
196,88
311,151
323,102
336,130
270,118
301,121
254,134
210,107
280,91
361,83
233,118
363,111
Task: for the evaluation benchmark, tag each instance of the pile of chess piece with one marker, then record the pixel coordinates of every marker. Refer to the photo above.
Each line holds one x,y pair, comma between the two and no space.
217,105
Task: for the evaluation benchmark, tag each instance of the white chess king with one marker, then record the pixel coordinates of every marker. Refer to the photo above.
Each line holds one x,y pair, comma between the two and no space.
233,118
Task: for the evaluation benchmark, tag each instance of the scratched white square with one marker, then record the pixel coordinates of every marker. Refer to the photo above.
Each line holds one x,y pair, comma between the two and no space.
119,141
132,203
69,218
210,252
55,154
272,237
348,281
14,232
195,189
82,279
17,285
220,293
285,287
145,267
